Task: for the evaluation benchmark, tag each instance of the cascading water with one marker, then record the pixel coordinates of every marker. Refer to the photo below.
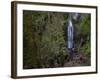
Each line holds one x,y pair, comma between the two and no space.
70,36
70,33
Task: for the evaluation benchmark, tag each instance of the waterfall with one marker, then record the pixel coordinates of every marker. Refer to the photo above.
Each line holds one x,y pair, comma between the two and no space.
70,33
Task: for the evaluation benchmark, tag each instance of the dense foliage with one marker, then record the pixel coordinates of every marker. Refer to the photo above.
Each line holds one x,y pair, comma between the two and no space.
45,38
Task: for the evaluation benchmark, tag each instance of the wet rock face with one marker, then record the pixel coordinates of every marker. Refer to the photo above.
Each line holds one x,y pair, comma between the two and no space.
80,57
76,17
78,60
